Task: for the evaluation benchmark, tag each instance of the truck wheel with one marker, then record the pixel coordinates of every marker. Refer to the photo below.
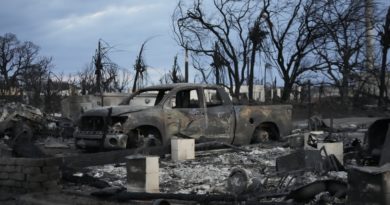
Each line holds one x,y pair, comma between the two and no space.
264,133
259,136
151,138
144,138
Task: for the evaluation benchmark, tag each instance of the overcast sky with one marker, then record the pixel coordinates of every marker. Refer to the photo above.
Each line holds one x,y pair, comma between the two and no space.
68,30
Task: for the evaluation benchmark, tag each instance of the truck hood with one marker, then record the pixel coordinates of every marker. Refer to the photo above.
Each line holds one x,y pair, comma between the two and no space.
116,110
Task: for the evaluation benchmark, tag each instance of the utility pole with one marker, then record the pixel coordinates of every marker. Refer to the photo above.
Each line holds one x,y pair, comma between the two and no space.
48,95
217,63
247,71
135,80
98,71
266,67
98,67
186,65
217,80
309,103
369,18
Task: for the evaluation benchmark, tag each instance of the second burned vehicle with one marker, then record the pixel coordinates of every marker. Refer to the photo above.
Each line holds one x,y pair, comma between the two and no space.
153,115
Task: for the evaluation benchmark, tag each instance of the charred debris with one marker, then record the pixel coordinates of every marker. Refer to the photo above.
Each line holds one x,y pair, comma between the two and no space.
340,161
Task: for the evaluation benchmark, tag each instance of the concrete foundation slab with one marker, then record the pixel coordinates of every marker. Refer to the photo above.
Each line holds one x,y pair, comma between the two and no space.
142,174
182,149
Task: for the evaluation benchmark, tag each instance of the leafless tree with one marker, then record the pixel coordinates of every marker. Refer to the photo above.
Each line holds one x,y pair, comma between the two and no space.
73,81
291,36
201,65
14,58
340,48
102,74
87,79
122,81
22,70
54,86
8,50
164,79
201,26
140,68
218,64
110,76
256,35
33,78
106,71
174,75
385,43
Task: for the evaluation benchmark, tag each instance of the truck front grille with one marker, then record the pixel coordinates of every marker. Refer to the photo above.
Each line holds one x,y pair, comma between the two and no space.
91,123
96,123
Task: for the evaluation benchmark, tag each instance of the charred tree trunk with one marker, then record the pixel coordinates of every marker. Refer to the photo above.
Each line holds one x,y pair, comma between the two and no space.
286,91
217,76
186,65
385,42
382,87
99,68
135,82
139,66
251,73
344,91
237,90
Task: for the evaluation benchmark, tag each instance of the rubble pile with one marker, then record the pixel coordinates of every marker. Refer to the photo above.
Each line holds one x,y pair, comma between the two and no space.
41,124
205,174
209,173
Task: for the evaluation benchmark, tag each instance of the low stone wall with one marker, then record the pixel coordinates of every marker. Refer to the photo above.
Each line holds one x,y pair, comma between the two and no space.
30,175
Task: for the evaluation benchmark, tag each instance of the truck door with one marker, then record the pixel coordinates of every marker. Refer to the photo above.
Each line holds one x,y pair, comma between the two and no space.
185,115
220,117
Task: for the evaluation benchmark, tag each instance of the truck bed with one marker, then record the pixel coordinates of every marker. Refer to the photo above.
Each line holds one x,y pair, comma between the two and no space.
249,117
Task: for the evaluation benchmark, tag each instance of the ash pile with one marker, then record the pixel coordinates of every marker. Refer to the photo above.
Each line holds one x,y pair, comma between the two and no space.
24,130
250,173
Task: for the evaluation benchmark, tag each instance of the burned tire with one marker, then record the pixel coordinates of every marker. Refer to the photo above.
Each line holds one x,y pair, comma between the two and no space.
238,181
144,137
265,133
151,138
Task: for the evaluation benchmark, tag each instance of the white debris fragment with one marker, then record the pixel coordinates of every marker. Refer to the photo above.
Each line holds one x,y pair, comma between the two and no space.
78,174
338,175
98,174
118,183
51,126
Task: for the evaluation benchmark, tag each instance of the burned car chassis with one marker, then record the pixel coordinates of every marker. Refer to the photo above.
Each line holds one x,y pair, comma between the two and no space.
153,115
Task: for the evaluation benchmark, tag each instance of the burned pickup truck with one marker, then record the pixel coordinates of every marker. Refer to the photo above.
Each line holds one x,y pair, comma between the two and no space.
151,116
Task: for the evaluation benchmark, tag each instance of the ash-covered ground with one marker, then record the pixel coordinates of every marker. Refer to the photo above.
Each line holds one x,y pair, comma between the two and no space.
209,172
